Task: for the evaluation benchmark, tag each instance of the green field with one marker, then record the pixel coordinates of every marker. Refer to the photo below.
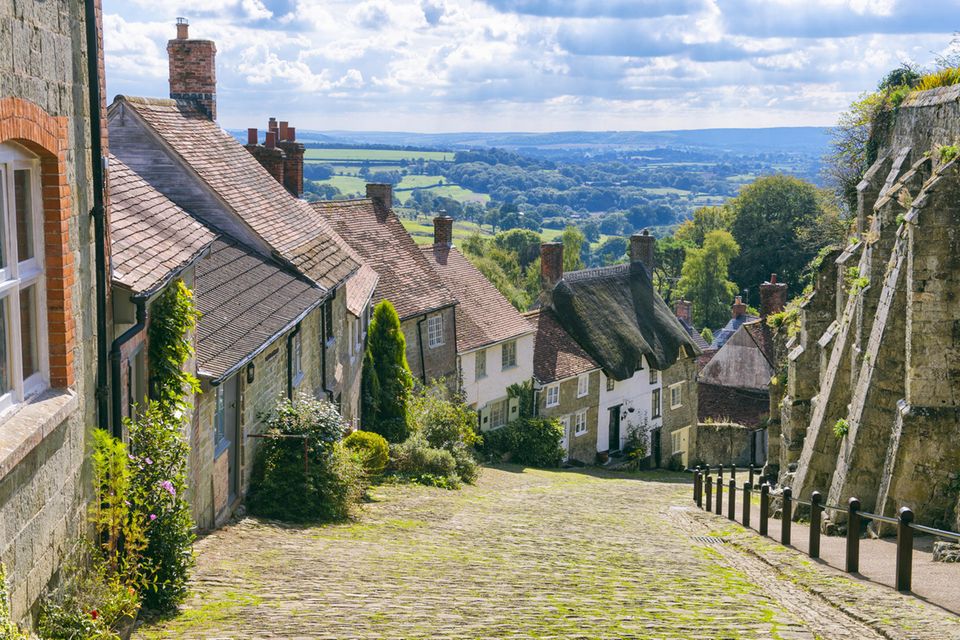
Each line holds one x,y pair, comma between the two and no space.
422,231
331,156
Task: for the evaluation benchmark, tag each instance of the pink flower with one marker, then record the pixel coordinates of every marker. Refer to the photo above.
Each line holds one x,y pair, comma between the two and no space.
168,487
153,517
148,461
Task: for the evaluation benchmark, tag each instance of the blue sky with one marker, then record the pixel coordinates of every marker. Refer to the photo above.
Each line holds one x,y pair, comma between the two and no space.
531,65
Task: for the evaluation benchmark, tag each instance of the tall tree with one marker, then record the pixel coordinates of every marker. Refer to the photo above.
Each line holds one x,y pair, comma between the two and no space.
573,245
705,281
522,242
386,377
704,220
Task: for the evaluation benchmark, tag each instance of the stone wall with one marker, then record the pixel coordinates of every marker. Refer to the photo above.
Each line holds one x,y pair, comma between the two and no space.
438,362
583,447
714,444
683,373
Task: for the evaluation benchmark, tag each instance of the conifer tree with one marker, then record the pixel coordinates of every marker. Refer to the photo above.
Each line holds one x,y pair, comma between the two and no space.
386,378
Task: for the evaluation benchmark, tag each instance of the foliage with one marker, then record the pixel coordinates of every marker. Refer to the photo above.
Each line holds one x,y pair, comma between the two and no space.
855,282
89,604
636,445
523,243
668,257
707,335
941,78
612,251
574,243
704,279
118,526
386,377
301,470
529,441
159,456
496,267
447,423
172,318
693,232
841,428
8,629
948,152
414,459
787,320
371,448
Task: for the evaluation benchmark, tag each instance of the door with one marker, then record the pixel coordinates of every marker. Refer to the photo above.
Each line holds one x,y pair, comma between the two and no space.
655,444
231,430
614,431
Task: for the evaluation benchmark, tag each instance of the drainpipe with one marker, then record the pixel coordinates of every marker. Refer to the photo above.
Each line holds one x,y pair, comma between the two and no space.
98,163
115,359
423,363
325,337
290,337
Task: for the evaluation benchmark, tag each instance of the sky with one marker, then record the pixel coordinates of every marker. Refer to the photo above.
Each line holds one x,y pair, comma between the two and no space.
531,65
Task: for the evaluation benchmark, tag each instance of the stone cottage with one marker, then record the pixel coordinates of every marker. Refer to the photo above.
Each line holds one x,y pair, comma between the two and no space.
54,379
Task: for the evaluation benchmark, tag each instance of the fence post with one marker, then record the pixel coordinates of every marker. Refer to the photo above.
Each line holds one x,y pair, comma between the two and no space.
747,488
764,507
733,471
853,536
786,516
720,472
904,549
732,501
697,486
816,510
751,474
719,505
709,493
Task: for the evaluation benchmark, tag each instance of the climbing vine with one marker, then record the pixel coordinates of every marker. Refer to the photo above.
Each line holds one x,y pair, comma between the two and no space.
173,317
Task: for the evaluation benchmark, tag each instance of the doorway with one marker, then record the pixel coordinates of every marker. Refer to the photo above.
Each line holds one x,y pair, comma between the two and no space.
228,433
614,431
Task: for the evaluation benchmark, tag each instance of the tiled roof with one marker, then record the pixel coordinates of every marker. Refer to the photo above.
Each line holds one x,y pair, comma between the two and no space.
406,277
360,288
245,301
151,238
698,340
721,336
484,316
287,224
556,355
762,335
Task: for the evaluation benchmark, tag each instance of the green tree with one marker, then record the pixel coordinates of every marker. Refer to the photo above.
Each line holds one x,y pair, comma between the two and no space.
692,232
613,250
769,218
669,256
525,244
573,245
386,378
704,279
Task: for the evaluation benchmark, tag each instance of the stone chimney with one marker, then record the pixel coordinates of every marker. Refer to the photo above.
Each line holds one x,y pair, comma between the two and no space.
738,309
193,70
682,310
293,160
641,249
381,193
551,264
773,296
267,154
443,232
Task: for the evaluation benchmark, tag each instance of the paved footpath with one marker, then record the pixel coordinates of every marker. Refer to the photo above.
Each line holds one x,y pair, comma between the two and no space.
531,554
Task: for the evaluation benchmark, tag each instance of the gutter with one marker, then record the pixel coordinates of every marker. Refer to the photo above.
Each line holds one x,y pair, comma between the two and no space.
290,337
115,353
98,212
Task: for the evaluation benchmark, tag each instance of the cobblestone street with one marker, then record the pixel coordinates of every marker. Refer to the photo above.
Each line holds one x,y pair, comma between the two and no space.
531,554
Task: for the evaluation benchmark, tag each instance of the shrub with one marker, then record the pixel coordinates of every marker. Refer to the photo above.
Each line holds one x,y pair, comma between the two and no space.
447,423
159,496
948,152
386,377
8,630
942,78
324,489
529,441
416,460
841,428
89,604
372,448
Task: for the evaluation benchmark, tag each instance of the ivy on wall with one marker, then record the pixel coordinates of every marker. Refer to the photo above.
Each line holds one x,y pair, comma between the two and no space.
173,318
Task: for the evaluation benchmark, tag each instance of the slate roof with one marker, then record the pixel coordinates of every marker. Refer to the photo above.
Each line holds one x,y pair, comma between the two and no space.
484,316
406,278
615,314
763,336
556,355
360,288
286,223
151,239
246,302
720,337
691,330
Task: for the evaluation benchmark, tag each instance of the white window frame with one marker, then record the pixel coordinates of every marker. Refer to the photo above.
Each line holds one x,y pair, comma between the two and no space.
435,331
296,356
508,361
676,389
480,365
654,376
580,423
551,396
656,403
583,385
17,276
499,408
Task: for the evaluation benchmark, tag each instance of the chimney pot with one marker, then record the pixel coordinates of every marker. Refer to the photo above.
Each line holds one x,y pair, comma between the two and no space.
738,309
183,29
271,142
291,134
682,310
193,70
773,278
253,136
642,246
381,193
443,231
773,296
283,130
551,264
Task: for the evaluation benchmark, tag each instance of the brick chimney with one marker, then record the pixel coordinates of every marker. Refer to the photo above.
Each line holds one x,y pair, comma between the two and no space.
381,193
773,296
193,70
551,264
267,154
641,249
293,160
443,232
682,311
738,309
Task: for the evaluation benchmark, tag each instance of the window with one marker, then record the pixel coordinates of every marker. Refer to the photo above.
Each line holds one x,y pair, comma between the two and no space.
296,358
654,376
611,384
655,404
553,395
580,423
23,327
583,385
498,414
508,355
359,334
481,364
435,331
676,396
218,419
328,335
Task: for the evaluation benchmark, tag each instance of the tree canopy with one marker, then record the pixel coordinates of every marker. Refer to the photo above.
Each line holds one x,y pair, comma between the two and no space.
705,281
386,377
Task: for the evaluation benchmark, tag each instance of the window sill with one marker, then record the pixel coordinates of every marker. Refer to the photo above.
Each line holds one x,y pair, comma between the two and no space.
577,435
31,423
297,380
551,406
508,367
221,447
